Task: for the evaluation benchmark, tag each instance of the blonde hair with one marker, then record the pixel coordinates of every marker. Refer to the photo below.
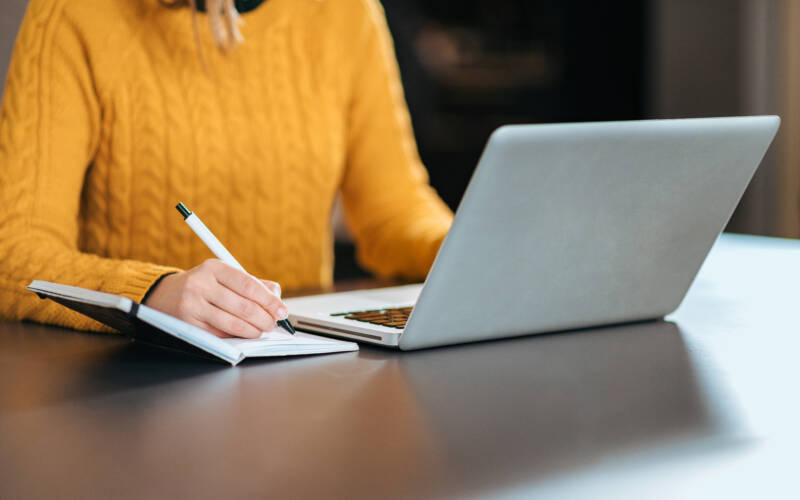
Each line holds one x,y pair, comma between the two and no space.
223,20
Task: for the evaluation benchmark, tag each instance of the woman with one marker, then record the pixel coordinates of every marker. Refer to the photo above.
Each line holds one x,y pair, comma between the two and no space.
114,111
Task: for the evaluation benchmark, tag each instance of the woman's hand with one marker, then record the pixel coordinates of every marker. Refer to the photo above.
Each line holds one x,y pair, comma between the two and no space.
220,299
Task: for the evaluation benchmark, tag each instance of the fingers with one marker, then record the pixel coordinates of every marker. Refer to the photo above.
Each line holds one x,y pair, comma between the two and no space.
233,303
223,322
250,288
226,301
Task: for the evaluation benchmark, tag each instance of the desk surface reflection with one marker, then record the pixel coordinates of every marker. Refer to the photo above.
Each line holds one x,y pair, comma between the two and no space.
696,405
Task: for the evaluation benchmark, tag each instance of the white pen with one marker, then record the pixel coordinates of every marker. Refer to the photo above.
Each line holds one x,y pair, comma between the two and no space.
218,249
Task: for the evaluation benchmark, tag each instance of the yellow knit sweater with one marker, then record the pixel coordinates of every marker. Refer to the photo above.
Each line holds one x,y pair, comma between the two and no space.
108,120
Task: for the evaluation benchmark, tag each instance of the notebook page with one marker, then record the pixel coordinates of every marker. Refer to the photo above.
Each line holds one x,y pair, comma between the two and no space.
278,342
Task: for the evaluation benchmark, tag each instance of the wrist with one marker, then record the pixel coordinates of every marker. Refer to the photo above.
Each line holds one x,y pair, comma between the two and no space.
154,286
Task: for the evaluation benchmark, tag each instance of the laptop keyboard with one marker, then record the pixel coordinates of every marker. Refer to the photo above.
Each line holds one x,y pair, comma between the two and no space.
395,317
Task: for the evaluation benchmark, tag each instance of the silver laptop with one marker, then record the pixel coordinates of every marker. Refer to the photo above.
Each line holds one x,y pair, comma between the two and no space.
564,227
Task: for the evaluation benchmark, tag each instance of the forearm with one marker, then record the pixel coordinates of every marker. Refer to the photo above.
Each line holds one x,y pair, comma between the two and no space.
36,256
397,218
402,239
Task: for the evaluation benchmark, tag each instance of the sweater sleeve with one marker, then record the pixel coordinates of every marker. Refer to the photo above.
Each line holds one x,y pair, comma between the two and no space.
49,129
396,217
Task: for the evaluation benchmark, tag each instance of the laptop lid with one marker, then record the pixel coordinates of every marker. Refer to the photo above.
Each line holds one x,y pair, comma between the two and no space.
575,225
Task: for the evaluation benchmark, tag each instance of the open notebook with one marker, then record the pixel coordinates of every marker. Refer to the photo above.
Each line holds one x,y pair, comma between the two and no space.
144,324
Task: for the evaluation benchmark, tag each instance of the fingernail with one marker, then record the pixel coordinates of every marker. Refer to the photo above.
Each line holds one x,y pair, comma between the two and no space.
283,313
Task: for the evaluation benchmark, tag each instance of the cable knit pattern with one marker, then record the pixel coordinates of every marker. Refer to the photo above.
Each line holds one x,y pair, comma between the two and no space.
109,119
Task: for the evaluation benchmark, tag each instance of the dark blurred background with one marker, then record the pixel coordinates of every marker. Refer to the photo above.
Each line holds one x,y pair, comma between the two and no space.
470,66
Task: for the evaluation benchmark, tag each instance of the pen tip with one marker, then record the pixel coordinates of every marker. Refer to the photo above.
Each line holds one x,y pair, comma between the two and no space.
185,212
287,326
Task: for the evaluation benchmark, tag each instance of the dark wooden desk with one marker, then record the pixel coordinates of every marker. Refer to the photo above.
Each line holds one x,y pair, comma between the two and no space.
701,406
